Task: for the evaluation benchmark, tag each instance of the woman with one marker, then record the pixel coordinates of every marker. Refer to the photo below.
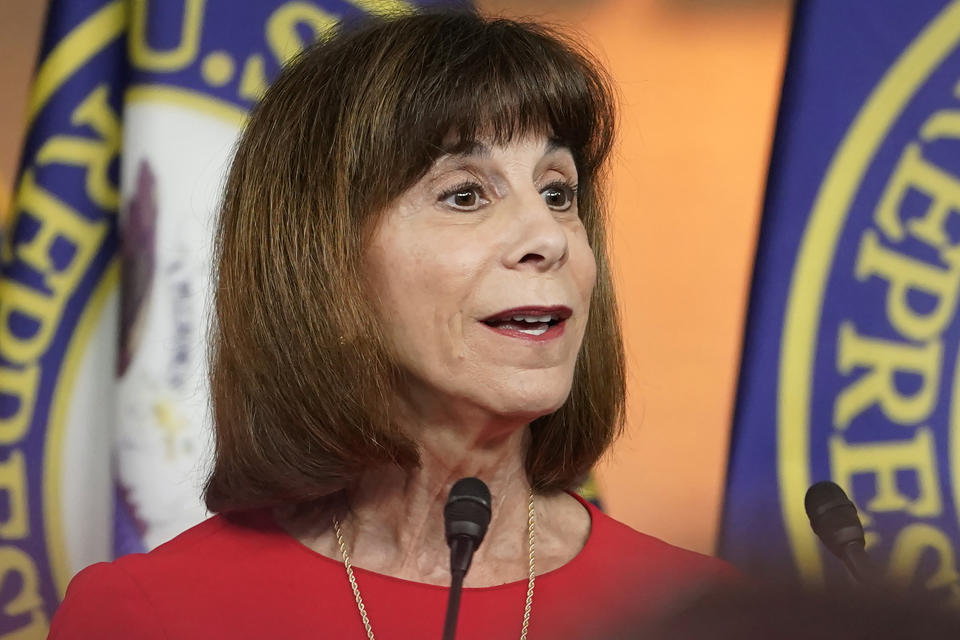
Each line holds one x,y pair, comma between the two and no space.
412,288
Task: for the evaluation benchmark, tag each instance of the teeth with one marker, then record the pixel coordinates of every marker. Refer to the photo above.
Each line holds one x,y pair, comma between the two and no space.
534,332
532,319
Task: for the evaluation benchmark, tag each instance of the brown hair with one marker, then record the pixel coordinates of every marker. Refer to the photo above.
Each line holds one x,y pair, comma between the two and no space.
300,375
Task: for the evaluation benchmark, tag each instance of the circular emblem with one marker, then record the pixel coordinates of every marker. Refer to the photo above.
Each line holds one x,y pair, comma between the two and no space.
870,338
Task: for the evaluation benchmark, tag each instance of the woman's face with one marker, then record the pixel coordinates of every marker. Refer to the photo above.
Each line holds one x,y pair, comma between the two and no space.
484,275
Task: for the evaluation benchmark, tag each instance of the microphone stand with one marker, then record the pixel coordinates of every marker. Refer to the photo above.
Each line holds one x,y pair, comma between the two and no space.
453,606
859,566
465,519
460,548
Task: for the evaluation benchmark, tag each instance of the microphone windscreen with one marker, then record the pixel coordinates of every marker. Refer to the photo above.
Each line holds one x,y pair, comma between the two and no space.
833,516
467,512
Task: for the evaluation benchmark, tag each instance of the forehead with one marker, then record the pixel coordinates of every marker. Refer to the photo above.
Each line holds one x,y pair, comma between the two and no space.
485,148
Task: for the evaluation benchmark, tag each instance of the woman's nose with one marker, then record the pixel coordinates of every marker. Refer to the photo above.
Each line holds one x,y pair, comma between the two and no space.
539,240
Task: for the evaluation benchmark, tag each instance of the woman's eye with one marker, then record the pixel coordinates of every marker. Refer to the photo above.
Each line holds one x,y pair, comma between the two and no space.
558,196
466,198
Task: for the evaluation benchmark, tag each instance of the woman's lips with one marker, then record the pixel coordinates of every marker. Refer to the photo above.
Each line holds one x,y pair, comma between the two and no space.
557,312
536,323
512,330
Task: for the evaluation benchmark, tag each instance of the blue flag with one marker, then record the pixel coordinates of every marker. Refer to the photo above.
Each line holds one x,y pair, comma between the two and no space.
850,368
104,277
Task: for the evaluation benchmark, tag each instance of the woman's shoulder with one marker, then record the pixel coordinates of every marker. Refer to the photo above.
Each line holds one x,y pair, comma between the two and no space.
626,554
650,551
217,537
136,595
100,602
615,537
217,540
622,576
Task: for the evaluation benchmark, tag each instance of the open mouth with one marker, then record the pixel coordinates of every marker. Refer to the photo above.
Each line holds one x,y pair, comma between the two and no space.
529,321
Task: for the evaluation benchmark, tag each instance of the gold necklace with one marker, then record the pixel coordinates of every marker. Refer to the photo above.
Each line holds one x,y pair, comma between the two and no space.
531,580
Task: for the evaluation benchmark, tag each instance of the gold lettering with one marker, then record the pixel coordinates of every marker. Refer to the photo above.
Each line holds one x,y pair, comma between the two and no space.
253,80
42,309
13,482
883,459
58,221
19,383
911,545
942,124
146,57
28,600
904,275
95,155
383,7
943,189
883,360
282,34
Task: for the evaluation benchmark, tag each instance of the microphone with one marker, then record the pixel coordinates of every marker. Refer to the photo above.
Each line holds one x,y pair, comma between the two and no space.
833,517
466,517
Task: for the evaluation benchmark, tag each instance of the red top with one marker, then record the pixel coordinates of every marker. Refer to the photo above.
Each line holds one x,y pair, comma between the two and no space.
247,578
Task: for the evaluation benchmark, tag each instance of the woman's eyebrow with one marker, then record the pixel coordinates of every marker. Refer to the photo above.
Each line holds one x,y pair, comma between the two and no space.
466,149
556,144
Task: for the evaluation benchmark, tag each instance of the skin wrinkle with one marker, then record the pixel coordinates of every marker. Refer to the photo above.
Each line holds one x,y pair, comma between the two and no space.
400,548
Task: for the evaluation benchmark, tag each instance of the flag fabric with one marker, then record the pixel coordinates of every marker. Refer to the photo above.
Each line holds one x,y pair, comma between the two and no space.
104,279
850,366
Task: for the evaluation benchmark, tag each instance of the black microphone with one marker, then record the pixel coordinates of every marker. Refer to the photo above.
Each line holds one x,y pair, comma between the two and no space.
466,517
834,519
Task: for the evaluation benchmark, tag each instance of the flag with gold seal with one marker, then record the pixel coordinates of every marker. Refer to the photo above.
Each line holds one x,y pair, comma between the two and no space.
850,367
104,279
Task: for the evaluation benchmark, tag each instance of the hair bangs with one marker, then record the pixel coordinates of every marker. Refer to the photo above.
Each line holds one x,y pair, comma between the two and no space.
496,82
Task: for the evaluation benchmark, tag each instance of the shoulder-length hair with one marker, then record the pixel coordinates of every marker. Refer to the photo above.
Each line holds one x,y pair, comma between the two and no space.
301,378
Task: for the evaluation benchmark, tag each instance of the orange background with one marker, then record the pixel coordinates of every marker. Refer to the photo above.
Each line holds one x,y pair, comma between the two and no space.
699,83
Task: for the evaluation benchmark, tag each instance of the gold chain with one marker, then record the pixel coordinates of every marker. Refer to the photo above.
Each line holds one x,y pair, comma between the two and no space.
532,554
528,605
353,580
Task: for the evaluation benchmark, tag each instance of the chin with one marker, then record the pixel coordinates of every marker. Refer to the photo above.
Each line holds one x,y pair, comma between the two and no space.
530,404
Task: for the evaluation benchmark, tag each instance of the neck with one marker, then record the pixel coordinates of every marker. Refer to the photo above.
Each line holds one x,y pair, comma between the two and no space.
393,523
395,518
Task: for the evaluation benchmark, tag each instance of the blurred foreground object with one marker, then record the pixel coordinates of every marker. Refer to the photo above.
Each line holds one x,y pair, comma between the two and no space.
760,612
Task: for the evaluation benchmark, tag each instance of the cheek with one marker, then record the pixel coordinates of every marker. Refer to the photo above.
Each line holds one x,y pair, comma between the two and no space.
422,291
407,298
583,264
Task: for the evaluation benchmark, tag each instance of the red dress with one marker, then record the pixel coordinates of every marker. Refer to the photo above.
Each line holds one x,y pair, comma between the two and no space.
245,577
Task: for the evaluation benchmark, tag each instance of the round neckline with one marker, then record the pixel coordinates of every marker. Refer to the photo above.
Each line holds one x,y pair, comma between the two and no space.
522,583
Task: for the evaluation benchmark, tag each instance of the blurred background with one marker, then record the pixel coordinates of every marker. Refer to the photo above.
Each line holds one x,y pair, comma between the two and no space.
699,83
